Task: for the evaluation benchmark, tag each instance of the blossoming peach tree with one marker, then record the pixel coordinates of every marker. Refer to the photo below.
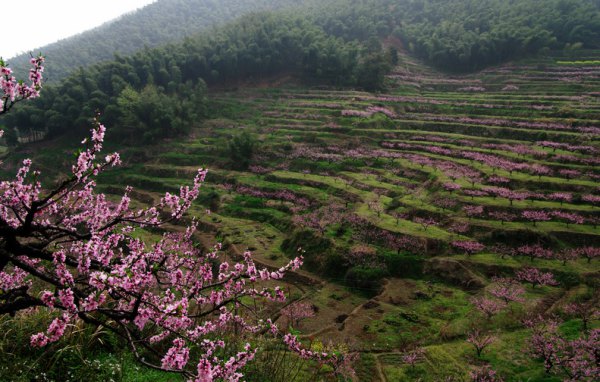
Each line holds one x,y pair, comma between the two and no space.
74,252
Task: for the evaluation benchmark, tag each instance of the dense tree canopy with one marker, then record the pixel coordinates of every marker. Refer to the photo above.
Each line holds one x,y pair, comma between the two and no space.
162,92
457,34
159,23
464,35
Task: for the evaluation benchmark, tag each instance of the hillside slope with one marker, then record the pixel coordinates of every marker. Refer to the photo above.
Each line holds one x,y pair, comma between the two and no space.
458,35
156,24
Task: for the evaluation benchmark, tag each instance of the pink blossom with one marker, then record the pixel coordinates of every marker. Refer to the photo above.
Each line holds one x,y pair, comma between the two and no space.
177,356
536,277
13,91
484,374
536,216
535,251
508,290
561,197
489,307
96,263
480,340
298,311
411,358
468,247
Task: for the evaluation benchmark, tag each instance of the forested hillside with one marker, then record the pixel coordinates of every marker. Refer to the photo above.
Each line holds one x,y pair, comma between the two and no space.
332,43
466,35
160,92
457,35
158,23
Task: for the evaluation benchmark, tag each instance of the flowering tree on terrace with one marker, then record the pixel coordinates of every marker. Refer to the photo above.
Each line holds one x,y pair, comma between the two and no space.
502,216
569,174
507,290
594,199
425,222
450,187
536,277
566,255
468,247
535,251
411,358
562,197
362,255
459,227
475,193
473,211
576,360
485,374
536,216
480,340
589,253
488,306
503,250
539,170
586,311
298,311
569,217
79,250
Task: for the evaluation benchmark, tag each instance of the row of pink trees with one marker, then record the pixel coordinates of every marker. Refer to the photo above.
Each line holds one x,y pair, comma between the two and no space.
534,216
536,251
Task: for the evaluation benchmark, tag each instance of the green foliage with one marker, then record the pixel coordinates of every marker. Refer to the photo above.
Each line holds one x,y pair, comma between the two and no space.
152,113
470,34
404,265
314,248
371,70
164,21
84,354
366,369
241,149
365,279
10,136
158,93
210,199
465,35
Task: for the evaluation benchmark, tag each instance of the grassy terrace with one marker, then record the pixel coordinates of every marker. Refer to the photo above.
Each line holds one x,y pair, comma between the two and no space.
309,148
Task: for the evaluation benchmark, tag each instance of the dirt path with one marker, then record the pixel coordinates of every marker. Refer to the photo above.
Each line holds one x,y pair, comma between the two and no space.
354,312
352,315
380,372
319,332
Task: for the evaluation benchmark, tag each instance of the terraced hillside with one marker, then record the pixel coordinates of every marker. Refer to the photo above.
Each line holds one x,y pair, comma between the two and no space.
408,205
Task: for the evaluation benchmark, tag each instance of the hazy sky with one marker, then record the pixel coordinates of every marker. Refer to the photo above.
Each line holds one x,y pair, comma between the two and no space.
30,24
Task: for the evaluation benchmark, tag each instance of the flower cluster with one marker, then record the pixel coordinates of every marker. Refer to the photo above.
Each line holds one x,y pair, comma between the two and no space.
82,249
576,359
468,247
536,277
14,91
